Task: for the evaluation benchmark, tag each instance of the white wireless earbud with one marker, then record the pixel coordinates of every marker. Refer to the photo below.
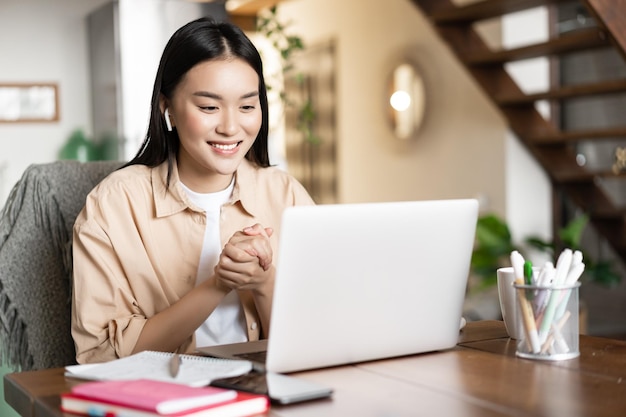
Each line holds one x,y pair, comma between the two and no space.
168,123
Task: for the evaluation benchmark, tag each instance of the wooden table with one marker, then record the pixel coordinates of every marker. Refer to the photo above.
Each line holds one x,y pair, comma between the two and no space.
480,377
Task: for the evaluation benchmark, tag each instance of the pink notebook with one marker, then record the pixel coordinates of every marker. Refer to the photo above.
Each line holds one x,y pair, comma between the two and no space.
155,396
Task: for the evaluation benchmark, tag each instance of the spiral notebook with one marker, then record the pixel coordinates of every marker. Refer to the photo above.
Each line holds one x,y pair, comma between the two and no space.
194,370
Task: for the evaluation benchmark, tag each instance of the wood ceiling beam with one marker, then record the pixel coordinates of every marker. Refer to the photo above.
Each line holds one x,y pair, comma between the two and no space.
243,13
249,7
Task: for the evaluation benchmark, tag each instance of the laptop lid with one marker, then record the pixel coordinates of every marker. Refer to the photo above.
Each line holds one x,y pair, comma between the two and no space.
357,282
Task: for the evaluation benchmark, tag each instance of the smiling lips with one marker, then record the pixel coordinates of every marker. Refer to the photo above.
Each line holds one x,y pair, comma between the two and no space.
225,147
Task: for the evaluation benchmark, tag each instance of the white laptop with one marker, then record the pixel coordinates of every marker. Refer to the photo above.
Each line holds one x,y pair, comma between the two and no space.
359,282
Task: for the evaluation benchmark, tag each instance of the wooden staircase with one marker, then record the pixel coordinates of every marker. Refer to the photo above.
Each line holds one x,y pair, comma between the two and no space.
552,147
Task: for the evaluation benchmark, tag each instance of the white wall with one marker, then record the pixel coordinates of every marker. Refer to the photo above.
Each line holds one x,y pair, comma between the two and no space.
529,192
460,149
43,41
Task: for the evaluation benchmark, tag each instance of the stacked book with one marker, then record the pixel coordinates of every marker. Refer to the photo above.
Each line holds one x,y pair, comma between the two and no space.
150,398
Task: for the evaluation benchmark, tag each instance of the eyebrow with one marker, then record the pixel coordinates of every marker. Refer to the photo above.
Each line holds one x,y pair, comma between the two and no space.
219,97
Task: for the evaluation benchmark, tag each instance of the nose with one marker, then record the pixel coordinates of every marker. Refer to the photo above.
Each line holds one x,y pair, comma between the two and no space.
228,123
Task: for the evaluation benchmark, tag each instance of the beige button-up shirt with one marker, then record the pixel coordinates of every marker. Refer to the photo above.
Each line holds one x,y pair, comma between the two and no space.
137,246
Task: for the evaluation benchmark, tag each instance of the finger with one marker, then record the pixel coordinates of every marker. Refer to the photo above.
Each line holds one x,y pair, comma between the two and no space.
236,275
237,281
255,229
240,252
258,246
243,252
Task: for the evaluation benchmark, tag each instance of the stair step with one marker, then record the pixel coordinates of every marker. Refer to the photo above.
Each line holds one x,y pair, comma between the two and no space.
565,92
571,42
588,176
486,9
563,137
607,214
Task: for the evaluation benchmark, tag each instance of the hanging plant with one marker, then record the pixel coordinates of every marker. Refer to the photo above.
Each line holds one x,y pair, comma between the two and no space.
287,45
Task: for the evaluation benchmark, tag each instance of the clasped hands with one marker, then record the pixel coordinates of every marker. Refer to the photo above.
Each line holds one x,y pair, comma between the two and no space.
246,260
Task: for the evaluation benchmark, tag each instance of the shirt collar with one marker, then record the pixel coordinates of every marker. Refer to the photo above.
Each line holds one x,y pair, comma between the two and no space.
172,200
245,190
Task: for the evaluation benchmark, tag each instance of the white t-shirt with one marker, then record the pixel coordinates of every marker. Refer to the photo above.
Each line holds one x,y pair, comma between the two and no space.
227,323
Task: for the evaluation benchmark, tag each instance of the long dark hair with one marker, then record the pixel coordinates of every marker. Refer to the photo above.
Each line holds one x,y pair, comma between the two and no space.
197,41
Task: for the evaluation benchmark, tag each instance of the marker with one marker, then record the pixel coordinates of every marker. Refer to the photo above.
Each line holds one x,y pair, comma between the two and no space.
572,278
528,273
547,275
545,280
574,274
528,278
562,266
562,269
517,260
577,258
562,344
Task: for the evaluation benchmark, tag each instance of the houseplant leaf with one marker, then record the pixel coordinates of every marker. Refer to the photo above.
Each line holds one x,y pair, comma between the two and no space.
572,233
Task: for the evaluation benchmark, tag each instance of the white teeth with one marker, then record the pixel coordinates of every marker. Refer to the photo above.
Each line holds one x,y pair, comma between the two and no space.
224,147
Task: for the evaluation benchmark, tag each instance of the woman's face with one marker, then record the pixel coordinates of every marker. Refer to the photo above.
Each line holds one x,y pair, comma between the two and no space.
217,113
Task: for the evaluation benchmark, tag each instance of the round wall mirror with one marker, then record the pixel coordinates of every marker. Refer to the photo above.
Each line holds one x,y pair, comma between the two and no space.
406,100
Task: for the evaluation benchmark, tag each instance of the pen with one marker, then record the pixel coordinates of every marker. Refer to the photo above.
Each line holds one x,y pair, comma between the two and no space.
563,264
530,327
577,258
572,277
548,343
175,363
562,269
545,280
528,277
528,273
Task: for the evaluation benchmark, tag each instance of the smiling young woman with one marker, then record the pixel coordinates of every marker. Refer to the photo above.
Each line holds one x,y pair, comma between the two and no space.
175,249
217,112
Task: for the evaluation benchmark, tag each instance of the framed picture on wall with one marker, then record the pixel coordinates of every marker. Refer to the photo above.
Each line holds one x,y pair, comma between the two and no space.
29,102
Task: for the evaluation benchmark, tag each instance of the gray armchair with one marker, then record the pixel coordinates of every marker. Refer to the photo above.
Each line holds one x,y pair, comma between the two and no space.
36,262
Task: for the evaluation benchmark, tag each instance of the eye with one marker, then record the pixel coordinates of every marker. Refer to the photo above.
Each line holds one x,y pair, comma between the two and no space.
208,108
248,107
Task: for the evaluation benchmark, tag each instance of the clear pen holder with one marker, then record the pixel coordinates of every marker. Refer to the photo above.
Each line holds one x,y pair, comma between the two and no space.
548,317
